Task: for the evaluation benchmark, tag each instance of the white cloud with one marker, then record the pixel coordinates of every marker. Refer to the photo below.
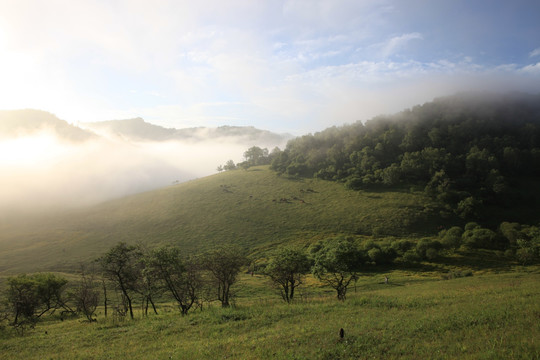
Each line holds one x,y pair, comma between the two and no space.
290,63
535,52
532,69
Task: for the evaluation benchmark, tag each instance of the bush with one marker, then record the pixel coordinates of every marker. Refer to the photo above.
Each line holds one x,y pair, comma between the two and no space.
432,254
471,226
424,245
402,246
526,255
481,238
509,253
411,256
354,183
451,238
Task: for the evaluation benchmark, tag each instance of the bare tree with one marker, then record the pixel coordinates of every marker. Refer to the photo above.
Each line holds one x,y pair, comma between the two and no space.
86,295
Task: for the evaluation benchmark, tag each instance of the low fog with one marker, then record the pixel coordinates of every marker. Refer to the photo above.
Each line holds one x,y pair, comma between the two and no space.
42,172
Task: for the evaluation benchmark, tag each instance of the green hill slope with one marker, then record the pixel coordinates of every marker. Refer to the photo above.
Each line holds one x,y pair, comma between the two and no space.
255,209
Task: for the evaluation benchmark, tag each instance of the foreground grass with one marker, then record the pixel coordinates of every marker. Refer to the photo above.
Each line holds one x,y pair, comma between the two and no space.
493,316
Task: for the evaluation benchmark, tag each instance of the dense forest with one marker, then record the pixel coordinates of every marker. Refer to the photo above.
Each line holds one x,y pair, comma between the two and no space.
469,151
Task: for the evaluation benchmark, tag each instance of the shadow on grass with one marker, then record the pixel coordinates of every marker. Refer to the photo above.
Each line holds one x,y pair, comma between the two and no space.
478,260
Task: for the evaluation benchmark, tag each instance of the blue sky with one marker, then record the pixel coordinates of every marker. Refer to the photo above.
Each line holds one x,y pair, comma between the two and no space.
288,66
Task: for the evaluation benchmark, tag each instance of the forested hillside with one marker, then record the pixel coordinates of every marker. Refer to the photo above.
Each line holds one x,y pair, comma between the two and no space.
471,152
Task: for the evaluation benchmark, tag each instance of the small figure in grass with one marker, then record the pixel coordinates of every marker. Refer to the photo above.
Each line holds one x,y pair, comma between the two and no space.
386,279
341,333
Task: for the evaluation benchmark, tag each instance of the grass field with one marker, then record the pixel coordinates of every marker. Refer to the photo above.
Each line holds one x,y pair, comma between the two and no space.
494,314
415,316
255,209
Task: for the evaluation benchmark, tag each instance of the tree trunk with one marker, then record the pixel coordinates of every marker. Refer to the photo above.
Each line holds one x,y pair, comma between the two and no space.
153,305
104,297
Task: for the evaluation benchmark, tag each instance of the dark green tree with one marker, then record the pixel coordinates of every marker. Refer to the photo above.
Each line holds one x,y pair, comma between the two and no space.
287,269
224,265
181,278
337,263
121,265
256,156
31,296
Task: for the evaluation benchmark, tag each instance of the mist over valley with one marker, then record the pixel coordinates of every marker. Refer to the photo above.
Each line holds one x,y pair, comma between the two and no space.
47,163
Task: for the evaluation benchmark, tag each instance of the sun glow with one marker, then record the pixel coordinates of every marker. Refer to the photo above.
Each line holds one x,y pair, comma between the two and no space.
30,151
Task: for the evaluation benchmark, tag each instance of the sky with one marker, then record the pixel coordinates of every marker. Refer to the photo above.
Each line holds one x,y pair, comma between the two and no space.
283,65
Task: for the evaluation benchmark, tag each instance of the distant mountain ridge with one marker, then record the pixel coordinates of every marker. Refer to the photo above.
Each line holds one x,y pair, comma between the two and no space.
140,130
16,123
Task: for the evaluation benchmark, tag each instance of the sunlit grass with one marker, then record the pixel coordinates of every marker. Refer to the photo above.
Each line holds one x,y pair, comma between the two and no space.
413,317
255,209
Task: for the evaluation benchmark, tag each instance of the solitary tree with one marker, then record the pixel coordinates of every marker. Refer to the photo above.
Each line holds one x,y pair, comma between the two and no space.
121,266
337,263
182,279
224,264
286,270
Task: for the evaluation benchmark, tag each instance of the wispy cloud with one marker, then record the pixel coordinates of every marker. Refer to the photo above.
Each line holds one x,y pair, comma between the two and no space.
397,43
535,52
532,69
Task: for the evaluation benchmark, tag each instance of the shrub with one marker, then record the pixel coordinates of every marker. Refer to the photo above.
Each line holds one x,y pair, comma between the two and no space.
411,256
402,246
424,245
451,238
481,238
432,254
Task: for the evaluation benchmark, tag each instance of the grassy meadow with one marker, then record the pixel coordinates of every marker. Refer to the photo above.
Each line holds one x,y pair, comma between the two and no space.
416,316
255,209
424,312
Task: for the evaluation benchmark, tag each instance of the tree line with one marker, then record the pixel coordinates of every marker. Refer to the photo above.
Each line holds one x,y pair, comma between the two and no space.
254,156
127,274
467,151
123,275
